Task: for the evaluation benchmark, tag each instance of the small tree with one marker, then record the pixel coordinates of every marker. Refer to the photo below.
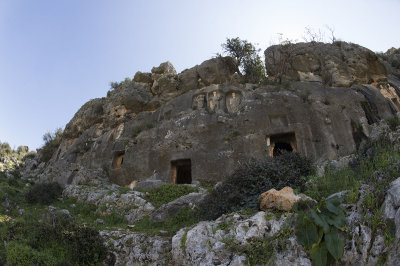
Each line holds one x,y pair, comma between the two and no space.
51,143
249,61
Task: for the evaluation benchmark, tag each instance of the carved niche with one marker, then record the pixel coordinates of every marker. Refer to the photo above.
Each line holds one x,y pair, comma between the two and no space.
199,101
216,102
233,101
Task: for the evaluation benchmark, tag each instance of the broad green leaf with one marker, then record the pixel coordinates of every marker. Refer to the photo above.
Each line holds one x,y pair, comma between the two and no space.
333,205
337,220
319,220
319,255
334,244
306,231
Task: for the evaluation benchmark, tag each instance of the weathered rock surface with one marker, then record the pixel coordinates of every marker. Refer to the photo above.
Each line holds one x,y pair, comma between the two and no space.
168,210
109,199
129,248
339,65
206,243
204,121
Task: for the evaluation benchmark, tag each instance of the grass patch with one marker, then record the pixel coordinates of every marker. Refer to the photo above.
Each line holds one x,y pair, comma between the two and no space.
166,193
372,159
86,214
393,122
261,251
183,218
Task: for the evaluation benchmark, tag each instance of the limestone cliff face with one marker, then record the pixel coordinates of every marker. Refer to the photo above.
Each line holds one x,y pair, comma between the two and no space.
197,125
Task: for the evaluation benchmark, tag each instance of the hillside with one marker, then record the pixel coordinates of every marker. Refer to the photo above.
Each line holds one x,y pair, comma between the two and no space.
171,168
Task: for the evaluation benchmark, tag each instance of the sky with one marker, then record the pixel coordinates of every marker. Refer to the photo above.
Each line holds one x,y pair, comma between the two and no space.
55,55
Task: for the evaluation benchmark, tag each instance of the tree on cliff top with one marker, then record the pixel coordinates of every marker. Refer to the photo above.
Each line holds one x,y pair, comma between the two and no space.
249,61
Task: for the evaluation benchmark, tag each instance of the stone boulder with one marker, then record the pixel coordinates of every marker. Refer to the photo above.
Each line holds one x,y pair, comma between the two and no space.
339,64
283,199
149,183
164,68
167,210
217,70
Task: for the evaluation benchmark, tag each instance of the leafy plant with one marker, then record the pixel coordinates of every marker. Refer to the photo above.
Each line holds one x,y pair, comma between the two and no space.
249,61
51,143
318,231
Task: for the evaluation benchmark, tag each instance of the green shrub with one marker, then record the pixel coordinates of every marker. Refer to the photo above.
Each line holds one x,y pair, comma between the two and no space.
393,122
247,57
20,254
372,157
29,155
242,189
167,192
43,193
5,148
51,143
66,241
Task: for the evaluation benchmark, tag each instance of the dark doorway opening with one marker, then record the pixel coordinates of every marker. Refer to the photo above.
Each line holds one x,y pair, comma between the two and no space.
181,171
282,143
118,159
282,147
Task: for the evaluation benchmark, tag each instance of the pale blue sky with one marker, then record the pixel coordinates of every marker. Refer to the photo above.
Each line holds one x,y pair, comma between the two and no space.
57,54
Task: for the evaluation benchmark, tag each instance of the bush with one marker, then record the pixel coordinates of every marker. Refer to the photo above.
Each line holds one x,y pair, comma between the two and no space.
249,61
51,143
242,189
21,254
5,148
393,123
43,193
31,243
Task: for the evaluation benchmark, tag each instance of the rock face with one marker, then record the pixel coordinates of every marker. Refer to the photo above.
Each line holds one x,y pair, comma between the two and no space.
207,242
128,248
283,199
339,65
167,210
109,199
196,125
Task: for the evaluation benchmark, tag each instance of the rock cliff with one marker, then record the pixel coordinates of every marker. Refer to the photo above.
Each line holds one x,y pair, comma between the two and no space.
196,125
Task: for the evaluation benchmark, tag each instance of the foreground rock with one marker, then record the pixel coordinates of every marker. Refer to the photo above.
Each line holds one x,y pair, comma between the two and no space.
128,248
208,243
109,199
190,200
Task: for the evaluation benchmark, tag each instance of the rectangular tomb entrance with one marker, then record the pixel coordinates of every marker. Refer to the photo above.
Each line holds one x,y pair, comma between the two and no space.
281,143
181,171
